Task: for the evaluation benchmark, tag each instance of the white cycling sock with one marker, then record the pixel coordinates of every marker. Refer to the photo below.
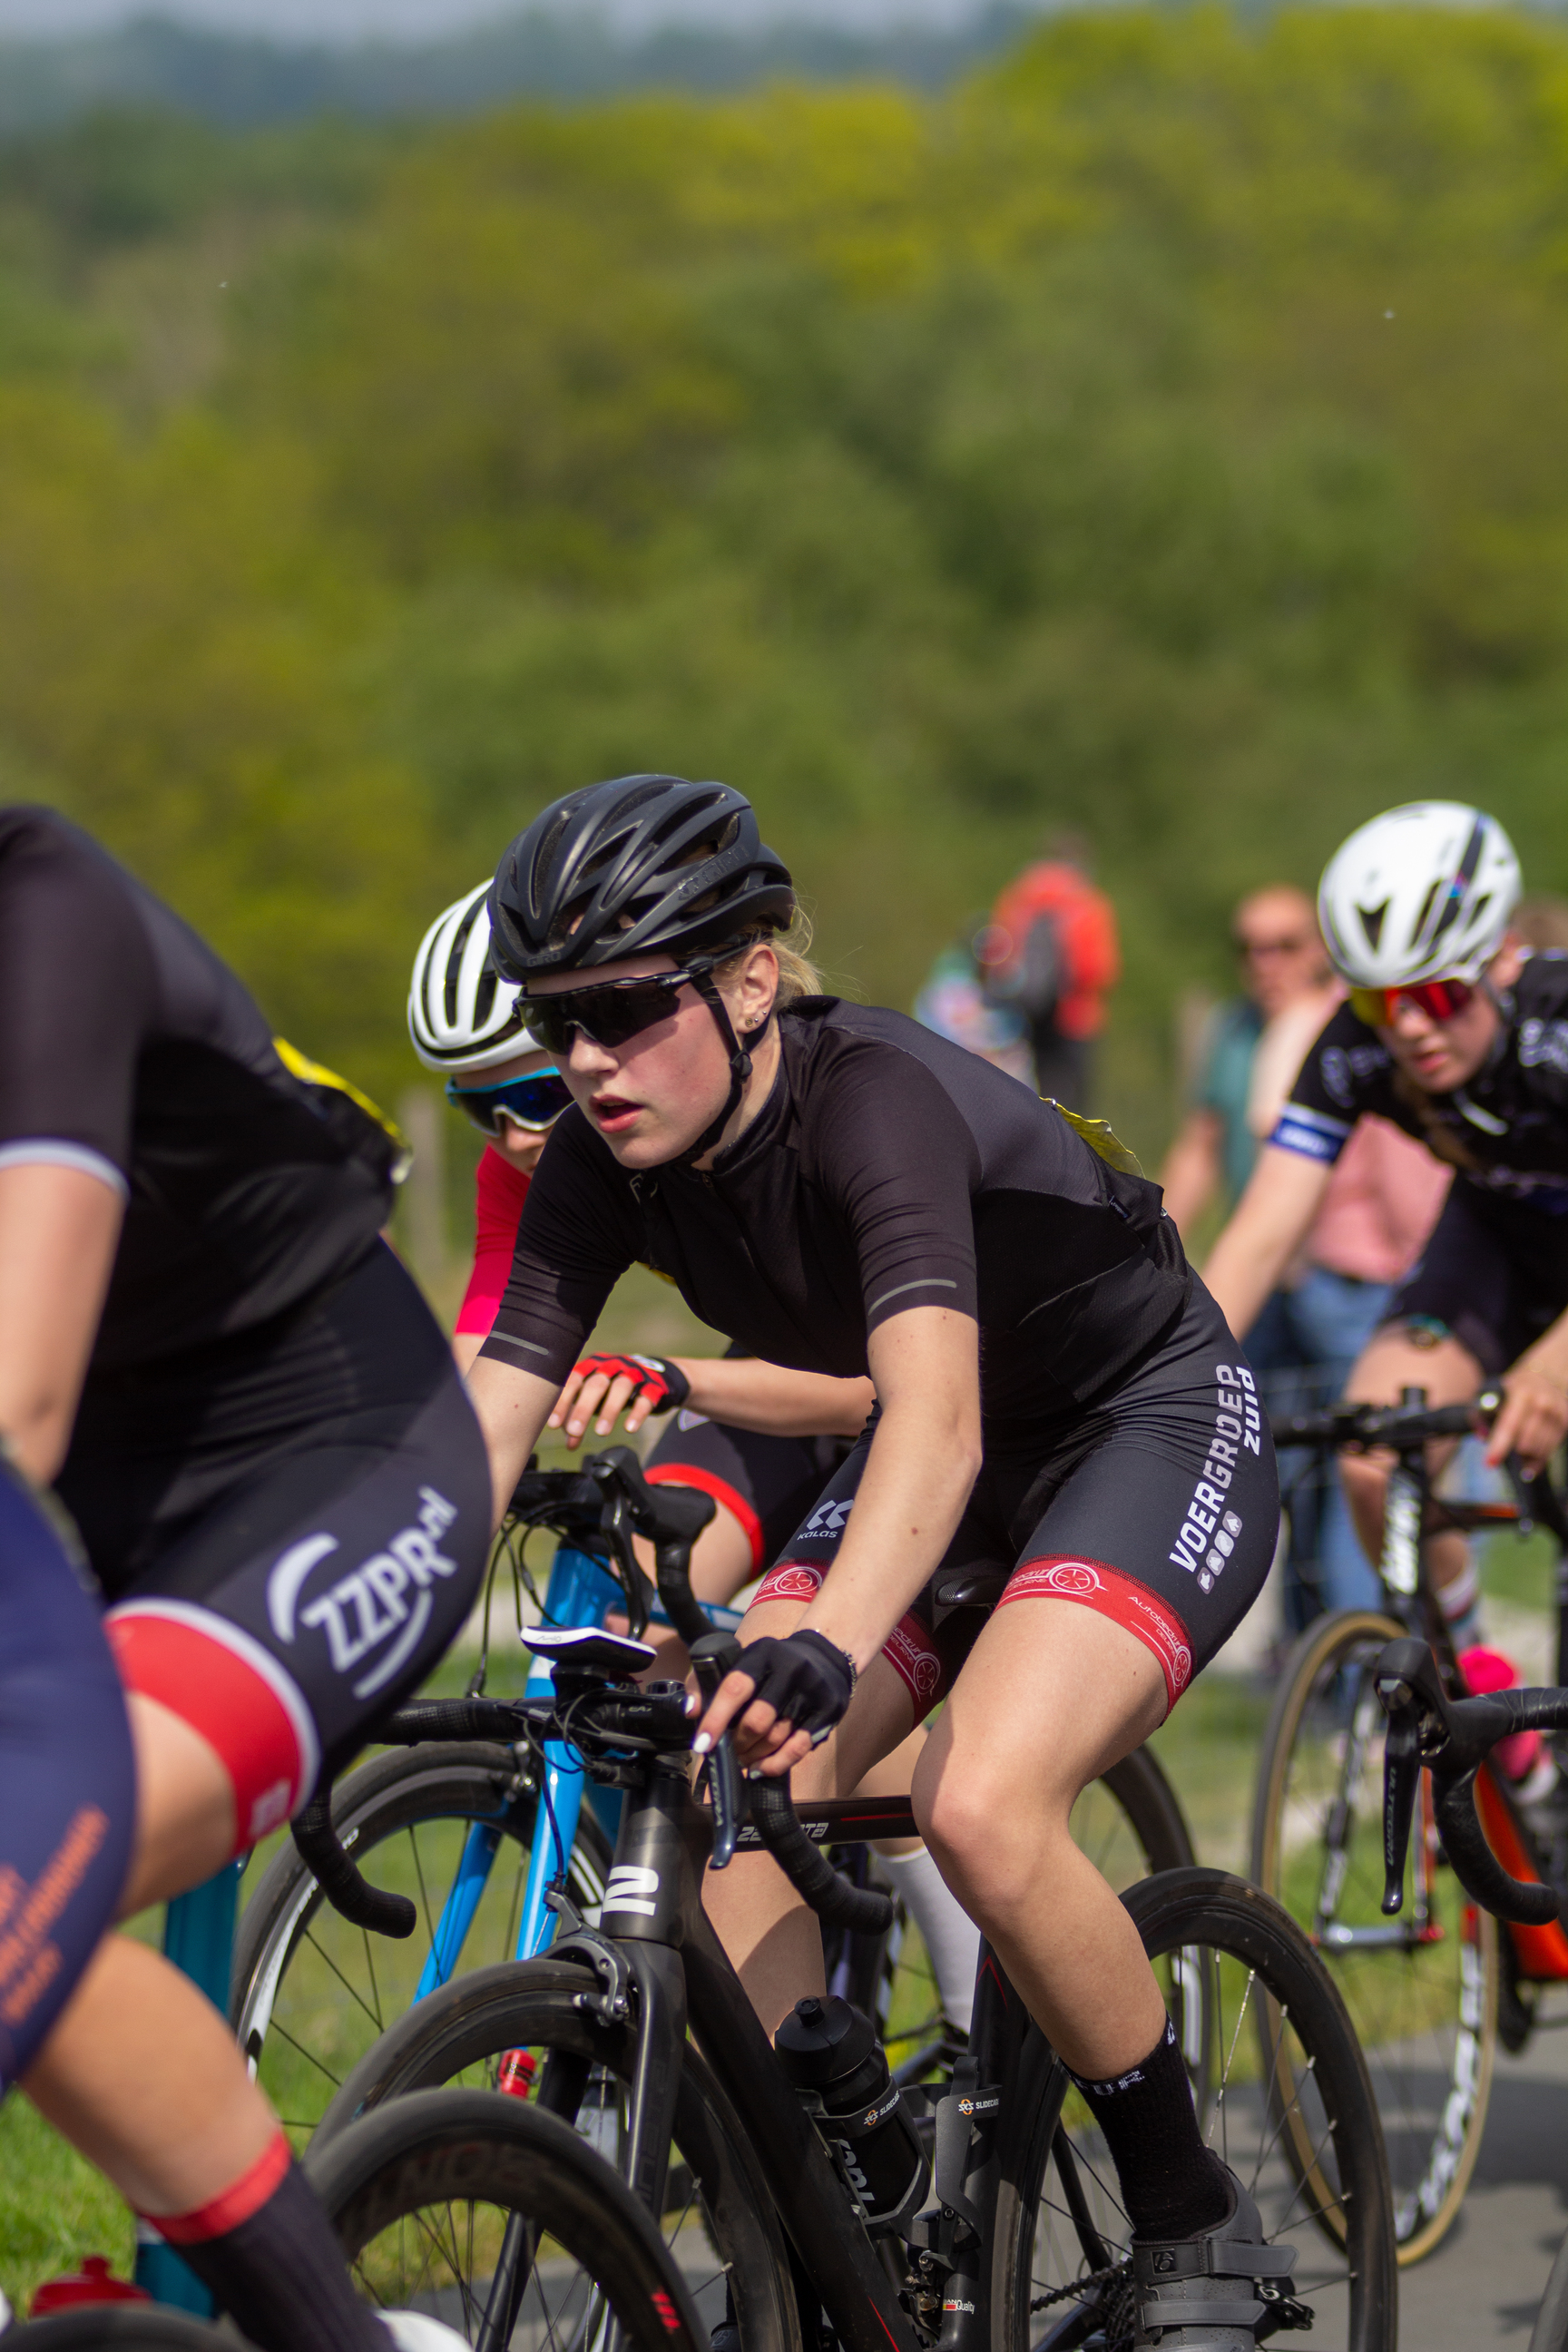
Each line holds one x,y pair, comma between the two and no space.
950,1935
1461,1603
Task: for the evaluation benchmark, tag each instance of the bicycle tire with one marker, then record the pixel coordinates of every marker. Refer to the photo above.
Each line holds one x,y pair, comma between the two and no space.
1129,1822
122,2327
545,2005
1550,2333
1041,2248
1427,2018
297,1964
481,2150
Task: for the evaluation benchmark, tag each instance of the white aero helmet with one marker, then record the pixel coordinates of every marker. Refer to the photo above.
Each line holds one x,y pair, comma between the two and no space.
460,1016
1424,892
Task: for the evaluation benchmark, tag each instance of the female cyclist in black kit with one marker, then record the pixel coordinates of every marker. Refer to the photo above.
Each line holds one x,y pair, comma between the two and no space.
839,1190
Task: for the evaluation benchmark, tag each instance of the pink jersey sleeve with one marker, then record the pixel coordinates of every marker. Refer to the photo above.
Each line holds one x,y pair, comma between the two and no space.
500,1191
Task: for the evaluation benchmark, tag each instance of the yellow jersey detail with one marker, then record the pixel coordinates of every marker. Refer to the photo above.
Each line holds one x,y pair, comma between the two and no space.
316,1074
1100,1137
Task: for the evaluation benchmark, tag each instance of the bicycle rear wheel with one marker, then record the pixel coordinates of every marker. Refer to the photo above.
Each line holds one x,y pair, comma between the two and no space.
1421,1990
500,2221
310,1993
1060,2271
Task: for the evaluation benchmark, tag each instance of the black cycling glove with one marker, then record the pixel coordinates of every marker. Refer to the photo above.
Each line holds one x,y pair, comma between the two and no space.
653,1377
805,1679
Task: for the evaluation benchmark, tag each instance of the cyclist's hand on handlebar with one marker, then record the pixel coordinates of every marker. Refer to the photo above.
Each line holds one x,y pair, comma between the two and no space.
1534,1415
610,1385
783,1700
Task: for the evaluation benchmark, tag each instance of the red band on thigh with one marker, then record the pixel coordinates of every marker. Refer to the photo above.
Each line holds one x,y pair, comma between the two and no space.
234,2205
1131,1604
692,1474
221,1681
789,1579
909,1648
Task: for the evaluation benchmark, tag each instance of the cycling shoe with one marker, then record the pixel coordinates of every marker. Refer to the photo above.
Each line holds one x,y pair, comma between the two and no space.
415,2331
1200,2294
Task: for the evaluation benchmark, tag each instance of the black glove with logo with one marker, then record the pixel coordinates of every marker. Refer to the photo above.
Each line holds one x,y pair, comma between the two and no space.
805,1680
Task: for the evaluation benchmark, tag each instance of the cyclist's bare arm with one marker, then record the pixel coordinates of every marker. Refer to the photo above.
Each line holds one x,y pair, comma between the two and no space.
512,1406
1191,1174
1272,1219
740,1391
59,1228
1534,1417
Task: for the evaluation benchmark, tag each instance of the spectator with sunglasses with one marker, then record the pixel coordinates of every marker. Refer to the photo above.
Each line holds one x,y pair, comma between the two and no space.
1455,1035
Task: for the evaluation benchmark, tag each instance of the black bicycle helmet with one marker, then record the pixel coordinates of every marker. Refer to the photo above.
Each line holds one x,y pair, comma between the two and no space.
639,865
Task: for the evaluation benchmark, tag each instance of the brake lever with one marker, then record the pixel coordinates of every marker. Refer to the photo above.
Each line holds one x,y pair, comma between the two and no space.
725,1788
1523,1492
1401,1784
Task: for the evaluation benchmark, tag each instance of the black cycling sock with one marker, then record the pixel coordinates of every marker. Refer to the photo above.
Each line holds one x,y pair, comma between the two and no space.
1172,2185
270,2258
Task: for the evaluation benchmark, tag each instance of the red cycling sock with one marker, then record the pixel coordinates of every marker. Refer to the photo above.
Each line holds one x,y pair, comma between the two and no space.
268,2253
1172,2185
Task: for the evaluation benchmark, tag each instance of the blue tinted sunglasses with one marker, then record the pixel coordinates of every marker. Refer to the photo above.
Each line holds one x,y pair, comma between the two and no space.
535,1102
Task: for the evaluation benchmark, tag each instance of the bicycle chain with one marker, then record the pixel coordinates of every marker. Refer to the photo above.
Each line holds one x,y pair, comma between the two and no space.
1119,2315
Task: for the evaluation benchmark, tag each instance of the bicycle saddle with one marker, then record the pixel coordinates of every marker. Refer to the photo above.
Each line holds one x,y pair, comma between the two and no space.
971,1588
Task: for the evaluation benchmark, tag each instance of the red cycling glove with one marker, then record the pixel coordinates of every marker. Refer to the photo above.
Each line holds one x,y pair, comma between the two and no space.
653,1377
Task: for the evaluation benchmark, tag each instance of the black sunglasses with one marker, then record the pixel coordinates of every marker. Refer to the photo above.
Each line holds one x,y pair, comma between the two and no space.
535,1102
612,1012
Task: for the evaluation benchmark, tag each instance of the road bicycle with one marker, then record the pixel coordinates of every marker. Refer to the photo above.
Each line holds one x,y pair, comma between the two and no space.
638,2033
1431,1993
1435,1769
425,2196
472,1833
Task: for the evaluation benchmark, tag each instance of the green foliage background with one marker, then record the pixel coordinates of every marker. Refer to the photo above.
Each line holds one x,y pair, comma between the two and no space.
1163,432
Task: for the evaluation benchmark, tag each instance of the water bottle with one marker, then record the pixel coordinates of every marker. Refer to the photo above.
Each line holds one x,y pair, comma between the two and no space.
832,2055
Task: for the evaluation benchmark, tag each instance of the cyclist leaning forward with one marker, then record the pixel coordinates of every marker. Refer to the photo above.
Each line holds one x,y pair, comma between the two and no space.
258,1427
1457,1035
840,1190
759,1439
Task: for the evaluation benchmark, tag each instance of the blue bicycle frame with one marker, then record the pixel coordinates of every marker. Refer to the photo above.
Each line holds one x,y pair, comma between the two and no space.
198,1931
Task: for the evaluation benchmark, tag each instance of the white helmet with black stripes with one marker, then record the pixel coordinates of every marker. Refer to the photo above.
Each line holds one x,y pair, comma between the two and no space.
461,1017
1424,892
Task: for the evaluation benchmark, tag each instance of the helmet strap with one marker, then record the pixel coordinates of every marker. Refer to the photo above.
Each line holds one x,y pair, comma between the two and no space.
740,1067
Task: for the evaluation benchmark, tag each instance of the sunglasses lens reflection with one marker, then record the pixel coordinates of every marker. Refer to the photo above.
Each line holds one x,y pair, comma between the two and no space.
610,1015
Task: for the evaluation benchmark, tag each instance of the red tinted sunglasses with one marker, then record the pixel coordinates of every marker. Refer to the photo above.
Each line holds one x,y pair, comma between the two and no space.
1440,1000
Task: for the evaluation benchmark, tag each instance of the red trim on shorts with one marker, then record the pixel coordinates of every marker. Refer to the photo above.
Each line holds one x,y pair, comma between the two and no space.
688,1473
221,1681
789,1579
1121,1598
234,2205
909,1648
915,1659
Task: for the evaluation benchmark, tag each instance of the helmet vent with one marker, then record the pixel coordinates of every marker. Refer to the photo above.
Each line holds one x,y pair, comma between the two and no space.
1424,916
461,938
1371,922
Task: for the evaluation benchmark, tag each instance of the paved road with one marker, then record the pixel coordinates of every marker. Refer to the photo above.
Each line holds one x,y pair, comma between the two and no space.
1482,2285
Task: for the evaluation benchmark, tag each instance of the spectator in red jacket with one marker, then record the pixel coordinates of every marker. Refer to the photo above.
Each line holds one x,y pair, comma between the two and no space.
1052,956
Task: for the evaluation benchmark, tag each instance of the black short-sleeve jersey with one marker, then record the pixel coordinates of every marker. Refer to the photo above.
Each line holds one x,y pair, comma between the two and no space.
888,1169
129,1050
1505,1133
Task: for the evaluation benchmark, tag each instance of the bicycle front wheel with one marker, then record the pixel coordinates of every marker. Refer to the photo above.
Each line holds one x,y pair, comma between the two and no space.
1223,1955
540,2019
498,2220
310,1993
1421,1989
